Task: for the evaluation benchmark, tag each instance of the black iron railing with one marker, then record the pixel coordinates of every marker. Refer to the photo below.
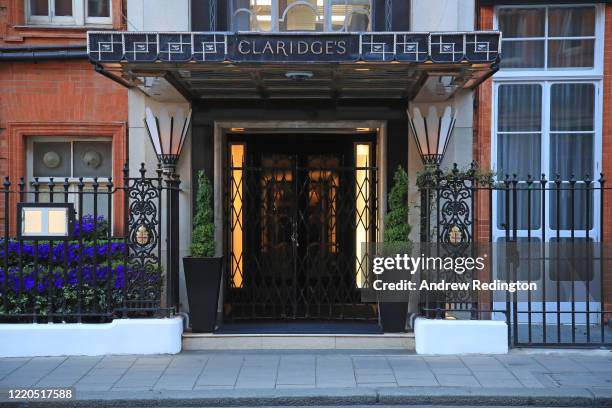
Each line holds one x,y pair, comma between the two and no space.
108,266
550,232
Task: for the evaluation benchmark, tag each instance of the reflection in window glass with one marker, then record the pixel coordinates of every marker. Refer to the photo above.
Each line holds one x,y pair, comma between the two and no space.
262,15
520,108
92,159
98,8
39,7
571,21
574,260
522,22
519,154
51,159
568,33
572,143
63,8
572,107
301,15
523,54
571,53
519,125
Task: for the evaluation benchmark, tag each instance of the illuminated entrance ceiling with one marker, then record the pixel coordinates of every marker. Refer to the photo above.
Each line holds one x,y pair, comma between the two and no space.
297,65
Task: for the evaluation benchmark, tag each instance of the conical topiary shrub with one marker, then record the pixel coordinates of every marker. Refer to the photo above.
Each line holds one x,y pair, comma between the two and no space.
397,227
203,238
202,269
393,314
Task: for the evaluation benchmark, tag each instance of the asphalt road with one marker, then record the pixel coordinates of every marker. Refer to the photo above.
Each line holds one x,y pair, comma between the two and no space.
396,406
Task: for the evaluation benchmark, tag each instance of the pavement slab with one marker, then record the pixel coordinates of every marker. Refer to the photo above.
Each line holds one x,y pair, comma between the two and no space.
313,377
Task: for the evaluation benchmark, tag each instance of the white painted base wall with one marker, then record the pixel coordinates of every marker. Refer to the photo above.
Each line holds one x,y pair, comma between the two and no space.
460,336
121,336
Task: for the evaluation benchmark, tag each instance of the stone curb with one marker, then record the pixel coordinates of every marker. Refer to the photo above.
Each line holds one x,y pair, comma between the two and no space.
559,397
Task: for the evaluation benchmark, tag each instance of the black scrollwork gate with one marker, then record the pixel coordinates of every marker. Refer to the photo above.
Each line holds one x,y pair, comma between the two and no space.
142,238
447,202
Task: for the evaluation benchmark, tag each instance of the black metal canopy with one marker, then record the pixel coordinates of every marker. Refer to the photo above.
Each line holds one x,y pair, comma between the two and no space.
286,65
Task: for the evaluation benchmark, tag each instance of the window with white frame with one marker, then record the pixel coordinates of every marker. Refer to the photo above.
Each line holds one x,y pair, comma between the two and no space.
69,160
69,12
547,103
300,15
548,37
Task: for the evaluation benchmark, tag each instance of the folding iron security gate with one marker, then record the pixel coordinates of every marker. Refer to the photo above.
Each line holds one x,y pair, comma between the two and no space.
296,221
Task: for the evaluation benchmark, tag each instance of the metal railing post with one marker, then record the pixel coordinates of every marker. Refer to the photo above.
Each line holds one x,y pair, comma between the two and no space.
172,240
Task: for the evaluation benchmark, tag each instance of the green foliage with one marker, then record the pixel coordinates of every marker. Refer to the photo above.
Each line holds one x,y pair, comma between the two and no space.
203,239
432,175
397,228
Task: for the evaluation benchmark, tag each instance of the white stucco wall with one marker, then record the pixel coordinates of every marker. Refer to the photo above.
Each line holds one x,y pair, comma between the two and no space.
159,15
459,148
442,15
141,151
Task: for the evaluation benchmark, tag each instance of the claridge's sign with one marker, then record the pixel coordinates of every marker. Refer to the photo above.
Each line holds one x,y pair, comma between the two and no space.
287,48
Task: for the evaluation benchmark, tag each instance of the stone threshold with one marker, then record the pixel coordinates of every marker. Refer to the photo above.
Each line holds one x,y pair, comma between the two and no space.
212,341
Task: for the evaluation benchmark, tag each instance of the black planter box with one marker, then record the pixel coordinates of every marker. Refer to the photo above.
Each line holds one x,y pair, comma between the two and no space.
393,316
202,278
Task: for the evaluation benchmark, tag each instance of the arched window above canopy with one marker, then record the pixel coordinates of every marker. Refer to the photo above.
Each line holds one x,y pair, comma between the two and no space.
301,15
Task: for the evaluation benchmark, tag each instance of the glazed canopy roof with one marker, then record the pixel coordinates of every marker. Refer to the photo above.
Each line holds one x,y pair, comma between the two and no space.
289,65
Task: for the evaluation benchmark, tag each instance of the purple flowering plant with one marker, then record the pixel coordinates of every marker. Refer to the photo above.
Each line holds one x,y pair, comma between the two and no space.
90,273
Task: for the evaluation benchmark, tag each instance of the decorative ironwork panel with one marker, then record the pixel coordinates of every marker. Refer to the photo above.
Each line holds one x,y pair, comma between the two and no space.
107,266
175,47
378,47
411,47
481,47
293,47
140,47
449,198
209,47
105,46
143,267
447,48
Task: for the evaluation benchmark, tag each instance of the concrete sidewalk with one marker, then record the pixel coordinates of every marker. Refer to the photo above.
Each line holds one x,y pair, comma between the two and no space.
303,377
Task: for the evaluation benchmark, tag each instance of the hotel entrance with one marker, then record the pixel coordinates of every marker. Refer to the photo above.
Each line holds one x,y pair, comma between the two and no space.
300,142
299,208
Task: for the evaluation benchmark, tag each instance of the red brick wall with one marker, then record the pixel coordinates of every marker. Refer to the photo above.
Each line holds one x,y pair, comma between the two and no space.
14,31
58,98
55,98
482,142
481,150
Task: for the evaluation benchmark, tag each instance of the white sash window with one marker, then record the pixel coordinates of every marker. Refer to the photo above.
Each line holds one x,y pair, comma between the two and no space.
547,118
69,12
